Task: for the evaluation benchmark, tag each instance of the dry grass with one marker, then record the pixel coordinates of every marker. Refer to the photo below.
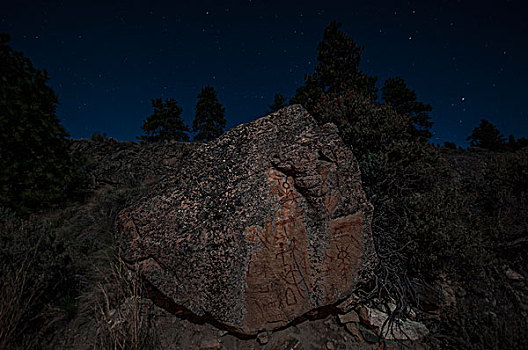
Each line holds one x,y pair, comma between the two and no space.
16,299
22,287
124,319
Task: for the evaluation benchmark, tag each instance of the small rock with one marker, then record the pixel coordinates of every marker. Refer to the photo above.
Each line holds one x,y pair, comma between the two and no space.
514,276
364,314
330,345
352,328
400,330
263,338
348,304
210,344
351,316
368,335
387,346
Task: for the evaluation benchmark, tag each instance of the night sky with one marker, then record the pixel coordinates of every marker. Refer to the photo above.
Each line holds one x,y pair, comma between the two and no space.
107,60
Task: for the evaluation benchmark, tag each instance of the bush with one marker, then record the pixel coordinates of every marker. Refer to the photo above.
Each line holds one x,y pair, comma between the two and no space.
398,173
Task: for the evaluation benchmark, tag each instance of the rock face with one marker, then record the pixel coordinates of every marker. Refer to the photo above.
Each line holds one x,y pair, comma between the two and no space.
260,226
121,164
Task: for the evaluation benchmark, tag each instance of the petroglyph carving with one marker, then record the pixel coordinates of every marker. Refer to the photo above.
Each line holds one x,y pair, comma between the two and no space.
259,227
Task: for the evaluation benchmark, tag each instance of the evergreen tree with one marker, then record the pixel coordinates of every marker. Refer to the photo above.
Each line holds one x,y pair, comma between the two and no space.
279,102
515,145
165,123
487,136
404,100
337,71
450,145
209,121
521,143
36,169
396,172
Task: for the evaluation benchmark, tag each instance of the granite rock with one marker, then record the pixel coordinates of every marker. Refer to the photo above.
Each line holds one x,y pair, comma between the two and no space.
257,227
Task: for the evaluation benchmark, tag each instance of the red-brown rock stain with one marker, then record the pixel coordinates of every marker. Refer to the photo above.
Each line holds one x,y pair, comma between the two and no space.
278,284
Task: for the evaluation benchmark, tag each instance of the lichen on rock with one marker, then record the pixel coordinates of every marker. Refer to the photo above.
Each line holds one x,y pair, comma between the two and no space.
258,227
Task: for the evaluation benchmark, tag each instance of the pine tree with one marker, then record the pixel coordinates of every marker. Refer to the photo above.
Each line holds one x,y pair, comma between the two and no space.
165,123
279,102
209,121
404,100
487,136
450,145
337,71
36,169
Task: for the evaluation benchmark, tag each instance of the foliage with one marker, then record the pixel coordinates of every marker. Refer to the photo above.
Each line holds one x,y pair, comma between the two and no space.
441,211
36,273
165,122
437,211
209,121
98,136
279,102
487,136
404,100
485,237
397,171
337,70
36,169
397,167
514,145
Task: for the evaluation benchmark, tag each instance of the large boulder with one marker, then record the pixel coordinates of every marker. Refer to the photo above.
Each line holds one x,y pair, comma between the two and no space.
259,227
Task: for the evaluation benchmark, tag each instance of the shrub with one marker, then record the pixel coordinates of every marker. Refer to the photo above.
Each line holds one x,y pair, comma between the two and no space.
397,172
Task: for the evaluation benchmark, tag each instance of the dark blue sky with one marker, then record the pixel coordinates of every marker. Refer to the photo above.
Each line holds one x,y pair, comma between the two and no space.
107,60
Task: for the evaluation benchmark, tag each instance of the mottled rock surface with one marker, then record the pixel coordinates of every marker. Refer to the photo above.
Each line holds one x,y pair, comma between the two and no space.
258,227
120,164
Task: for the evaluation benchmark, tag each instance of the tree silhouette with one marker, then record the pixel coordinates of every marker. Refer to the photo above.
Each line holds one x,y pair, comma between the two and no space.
165,123
337,70
36,169
515,145
487,136
404,100
209,120
279,102
450,145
